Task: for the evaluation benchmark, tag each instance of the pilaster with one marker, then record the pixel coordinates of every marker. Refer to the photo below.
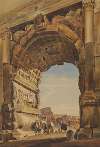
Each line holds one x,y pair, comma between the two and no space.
89,105
7,106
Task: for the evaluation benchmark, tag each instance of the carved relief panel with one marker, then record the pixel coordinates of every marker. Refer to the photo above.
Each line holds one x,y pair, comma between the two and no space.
25,86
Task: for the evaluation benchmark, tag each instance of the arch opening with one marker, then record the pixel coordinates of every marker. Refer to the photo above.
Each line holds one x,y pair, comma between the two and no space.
59,92
45,50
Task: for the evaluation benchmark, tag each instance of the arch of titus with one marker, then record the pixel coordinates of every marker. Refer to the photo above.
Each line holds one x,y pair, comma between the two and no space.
35,37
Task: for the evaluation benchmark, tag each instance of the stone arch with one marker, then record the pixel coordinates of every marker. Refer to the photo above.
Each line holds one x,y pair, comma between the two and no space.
58,28
49,45
29,35
62,28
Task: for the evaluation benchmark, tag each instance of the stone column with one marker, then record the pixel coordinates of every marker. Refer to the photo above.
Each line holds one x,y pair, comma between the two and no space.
88,6
88,99
1,81
6,47
7,106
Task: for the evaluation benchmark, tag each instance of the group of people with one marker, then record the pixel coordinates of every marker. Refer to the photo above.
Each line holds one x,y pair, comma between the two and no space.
48,127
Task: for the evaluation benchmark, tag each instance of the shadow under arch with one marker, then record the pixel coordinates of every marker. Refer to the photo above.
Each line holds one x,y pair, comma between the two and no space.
30,37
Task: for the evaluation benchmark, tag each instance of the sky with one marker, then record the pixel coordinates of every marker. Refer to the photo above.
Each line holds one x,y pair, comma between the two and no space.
59,89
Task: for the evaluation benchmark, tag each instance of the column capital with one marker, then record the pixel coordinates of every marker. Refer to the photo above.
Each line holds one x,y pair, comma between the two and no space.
88,3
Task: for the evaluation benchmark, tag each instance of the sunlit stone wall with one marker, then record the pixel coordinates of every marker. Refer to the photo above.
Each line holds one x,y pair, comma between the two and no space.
26,99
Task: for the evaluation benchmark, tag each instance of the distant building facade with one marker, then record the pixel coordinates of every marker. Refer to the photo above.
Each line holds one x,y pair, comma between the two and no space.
72,121
46,114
